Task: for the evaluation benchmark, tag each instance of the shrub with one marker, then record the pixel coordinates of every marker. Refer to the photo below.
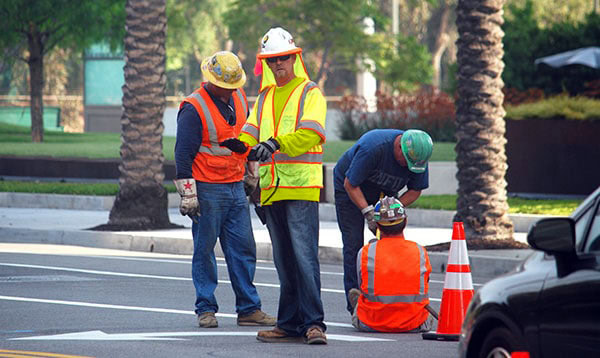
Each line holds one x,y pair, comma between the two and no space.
429,110
513,96
563,106
354,112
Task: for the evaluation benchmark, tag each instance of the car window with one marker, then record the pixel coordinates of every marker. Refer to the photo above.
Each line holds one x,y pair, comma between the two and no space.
581,225
593,242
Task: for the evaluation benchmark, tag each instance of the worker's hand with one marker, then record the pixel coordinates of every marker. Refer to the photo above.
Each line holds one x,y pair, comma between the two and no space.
189,204
369,214
251,177
235,145
265,149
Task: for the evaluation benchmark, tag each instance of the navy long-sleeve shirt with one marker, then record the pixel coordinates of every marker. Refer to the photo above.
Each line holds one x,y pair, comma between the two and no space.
189,133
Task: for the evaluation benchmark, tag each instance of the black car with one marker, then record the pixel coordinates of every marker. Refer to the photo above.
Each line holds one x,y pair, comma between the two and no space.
549,305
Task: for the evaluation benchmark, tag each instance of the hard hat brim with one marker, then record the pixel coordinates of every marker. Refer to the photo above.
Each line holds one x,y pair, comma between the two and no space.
277,54
215,81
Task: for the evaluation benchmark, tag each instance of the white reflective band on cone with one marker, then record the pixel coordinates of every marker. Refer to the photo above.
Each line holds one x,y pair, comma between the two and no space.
458,253
458,281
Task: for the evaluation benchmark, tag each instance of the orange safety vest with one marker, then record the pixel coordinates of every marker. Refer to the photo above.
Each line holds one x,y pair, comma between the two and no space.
393,276
213,163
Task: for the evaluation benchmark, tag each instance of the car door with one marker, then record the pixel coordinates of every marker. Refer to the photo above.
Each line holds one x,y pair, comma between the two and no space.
570,305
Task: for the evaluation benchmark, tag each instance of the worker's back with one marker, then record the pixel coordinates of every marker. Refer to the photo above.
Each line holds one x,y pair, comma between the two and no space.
394,280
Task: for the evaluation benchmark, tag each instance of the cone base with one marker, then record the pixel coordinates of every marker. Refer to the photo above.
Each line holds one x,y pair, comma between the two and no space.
432,336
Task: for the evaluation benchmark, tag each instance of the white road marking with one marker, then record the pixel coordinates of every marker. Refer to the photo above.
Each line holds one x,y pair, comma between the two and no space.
130,308
139,275
189,262
161,336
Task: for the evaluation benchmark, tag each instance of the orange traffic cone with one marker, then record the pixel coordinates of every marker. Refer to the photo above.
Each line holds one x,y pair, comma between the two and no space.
458,289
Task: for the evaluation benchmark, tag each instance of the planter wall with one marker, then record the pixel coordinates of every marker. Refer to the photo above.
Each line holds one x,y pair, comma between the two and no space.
553,156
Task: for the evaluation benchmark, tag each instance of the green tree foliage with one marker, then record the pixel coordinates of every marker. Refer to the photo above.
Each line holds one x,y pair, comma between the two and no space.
31,28
194,30
548,13
404,64
331,33
526,40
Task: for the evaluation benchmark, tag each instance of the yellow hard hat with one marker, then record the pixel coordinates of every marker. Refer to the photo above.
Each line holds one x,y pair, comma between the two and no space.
224,69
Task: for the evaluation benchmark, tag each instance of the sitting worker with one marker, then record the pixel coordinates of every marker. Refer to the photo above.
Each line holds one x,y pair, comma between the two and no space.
393,276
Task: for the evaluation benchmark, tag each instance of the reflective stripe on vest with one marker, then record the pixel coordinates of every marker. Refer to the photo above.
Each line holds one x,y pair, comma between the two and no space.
302,171
302,158
370,294
317,127
215,148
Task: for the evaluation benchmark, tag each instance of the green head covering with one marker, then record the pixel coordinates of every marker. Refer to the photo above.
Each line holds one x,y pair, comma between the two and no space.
417,147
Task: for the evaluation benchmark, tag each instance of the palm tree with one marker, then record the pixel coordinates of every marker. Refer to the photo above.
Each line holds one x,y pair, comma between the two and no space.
481,157
141,203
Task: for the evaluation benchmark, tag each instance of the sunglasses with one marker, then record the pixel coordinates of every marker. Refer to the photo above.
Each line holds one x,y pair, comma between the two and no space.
280,58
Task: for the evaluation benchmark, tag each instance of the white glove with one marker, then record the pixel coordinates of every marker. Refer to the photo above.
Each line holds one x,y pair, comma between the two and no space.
189,204
369,214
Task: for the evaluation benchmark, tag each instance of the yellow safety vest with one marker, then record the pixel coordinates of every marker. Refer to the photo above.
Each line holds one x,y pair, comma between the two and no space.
303,171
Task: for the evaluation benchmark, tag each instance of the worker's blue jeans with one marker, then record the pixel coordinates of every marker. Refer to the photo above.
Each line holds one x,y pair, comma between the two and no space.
225,214
294,229
352,225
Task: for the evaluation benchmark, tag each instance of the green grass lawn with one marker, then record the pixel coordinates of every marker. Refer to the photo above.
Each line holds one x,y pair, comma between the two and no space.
16,140
438,202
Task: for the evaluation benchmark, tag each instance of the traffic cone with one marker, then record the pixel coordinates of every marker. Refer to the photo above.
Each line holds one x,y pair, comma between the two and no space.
458,289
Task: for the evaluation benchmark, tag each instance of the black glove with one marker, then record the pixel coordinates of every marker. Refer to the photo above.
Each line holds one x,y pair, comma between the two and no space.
235,145
252,155
265,149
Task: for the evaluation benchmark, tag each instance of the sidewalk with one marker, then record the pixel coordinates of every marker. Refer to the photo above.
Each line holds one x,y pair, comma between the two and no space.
69,227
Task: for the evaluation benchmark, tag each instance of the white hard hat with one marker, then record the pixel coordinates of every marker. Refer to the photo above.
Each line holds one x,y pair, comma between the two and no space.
277,42
389,211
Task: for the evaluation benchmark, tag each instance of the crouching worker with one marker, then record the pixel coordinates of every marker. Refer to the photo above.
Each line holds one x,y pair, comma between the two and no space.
393,276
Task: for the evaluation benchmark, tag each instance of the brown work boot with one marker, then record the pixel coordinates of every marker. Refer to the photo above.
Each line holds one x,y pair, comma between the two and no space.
277,335
256,318
315,335
353,296
207,320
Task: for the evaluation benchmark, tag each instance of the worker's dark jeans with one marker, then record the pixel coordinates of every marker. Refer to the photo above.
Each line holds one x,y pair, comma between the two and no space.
294,229
352,225
225,214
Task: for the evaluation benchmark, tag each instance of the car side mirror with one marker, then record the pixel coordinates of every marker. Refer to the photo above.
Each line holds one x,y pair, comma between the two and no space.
553,236
556,236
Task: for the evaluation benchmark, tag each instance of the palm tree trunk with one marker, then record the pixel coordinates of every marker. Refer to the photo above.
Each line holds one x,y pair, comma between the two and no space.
141,203
480,147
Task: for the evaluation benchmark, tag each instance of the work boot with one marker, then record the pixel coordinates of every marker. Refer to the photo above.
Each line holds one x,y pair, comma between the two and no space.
353,296
256,318
277,335
207,320
315,335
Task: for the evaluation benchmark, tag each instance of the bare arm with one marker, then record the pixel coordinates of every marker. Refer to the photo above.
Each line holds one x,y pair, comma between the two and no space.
355,194
408,197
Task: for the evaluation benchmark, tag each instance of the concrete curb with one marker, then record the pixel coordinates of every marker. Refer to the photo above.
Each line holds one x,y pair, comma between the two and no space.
66,202
417,217
485,265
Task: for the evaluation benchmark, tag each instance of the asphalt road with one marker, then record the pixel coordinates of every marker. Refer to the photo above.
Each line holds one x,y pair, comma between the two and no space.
76,301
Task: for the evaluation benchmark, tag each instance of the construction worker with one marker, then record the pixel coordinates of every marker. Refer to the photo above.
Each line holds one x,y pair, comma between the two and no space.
209,180
382,161
287,128
393,275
